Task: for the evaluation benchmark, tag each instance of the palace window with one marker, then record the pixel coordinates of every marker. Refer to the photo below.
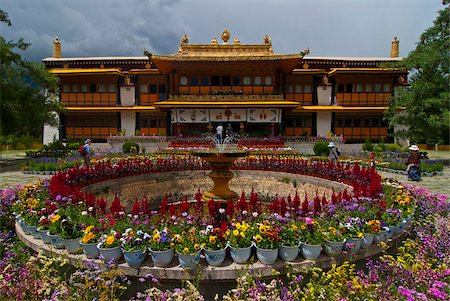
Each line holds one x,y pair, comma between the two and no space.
358,88
298,88
194,81
75,88
215,80
236,80
92,88
101,88
369,88
349,88
247,80
144,89
183,80
290,89
153,89
268,80
84,88
258,81
111,88
161,89
205,80
340,88
66,88
307,89
226,80
386,88
377,87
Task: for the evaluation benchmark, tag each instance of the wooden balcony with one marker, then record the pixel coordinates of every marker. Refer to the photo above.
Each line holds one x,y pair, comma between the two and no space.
89,99
227,98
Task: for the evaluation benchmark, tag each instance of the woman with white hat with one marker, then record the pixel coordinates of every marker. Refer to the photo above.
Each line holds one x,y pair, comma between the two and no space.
333,153
414,163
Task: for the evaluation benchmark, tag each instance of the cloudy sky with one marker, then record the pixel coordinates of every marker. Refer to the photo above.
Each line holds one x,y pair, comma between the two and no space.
362,28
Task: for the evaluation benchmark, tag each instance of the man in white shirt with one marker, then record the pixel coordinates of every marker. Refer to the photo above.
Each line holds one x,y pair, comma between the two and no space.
219,131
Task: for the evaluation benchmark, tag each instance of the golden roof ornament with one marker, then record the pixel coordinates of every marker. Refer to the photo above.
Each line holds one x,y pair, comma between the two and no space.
184,39
214,41
225,36
267,39
394,48
56,48
236,41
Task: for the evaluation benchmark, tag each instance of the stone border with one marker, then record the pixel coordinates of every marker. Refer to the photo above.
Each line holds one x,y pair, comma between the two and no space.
228,271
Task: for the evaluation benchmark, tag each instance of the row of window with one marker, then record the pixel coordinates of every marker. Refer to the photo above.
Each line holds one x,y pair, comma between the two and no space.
358,88
153,89
298,89
91,88
356,122
225,80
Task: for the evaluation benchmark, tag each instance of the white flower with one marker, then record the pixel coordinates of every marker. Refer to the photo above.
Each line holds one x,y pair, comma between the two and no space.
222,211
84,213
91,209
255,214
244,212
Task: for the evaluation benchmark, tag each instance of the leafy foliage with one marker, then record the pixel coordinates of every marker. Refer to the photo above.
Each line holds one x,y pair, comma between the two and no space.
321,148
424,106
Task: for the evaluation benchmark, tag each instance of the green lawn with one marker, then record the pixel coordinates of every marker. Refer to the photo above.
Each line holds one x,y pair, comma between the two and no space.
14,154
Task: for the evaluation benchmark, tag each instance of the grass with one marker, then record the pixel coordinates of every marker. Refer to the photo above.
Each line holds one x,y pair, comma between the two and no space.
14,154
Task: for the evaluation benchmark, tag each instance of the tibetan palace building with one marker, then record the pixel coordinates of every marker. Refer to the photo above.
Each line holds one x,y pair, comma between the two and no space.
203,85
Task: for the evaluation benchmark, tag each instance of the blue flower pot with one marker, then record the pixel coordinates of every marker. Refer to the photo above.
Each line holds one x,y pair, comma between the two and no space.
162,258
134,258
110,254
24,227
44,236
215,257
389,232
380,237
34,231
288,253
73,245
333,248
240,255
90,250
396,230
352,244
267,256
56,241
367,240
188,261
311,252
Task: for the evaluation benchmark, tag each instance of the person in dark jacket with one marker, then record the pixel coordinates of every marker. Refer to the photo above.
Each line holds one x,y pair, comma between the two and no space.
413,163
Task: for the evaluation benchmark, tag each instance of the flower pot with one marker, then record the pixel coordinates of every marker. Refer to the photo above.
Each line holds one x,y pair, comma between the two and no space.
134,258
72,245
90,250
367,240
311,252
352,244
34,231
267,256
162,258
389,232
288,253
56,241
380,236
44,236
24,227
333,248
215,257
396,229
240,255
189,261
108,254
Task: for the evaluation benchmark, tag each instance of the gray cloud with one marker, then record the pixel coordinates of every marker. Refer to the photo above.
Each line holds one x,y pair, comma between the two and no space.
124,28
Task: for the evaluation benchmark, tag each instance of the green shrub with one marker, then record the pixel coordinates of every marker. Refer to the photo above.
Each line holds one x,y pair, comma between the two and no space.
54,149
321,149
130,147
393,147
367,146
378,149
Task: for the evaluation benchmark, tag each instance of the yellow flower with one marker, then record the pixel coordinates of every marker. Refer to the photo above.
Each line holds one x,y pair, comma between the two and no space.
360,235
227,233
303,226
213,239
55,218
294,227
156,237
192,231
88,229
86,238
203,244
258,238
196,246
238,226
244,226
172,244
109,240
185,250
236,232
242,234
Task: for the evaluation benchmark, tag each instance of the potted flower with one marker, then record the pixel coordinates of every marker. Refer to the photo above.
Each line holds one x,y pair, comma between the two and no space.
334,239
240,242
371,228
187,245
44,223
354,234
134,245
391,218
290,236
54,230
312,238
109,246
161,247
89,241
31,219
267,241
214,245
71,234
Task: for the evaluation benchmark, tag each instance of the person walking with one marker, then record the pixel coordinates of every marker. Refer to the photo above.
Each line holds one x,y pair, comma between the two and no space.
334,155
88,152
413,163
219,132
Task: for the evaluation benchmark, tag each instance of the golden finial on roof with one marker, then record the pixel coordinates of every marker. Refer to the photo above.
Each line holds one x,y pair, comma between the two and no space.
185,39
394,48
267,40
225,36
236,41
214,41
56,48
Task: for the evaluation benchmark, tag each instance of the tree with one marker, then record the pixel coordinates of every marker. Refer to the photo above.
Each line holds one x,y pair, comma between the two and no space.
26,89
424,106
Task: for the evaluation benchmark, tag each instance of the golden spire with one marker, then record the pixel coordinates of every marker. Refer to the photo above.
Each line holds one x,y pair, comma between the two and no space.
214,41
267,40
225,36
185,39
236,41
56,48
394,48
